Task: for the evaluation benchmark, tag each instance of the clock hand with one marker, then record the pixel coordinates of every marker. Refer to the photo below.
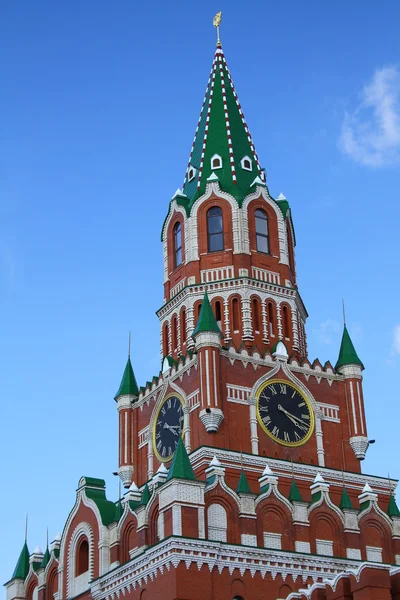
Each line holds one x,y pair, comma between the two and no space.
293,418
171,428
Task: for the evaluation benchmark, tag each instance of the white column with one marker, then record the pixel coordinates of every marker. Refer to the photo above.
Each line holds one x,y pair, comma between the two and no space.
150,457
186,428
189,326
295,330
246,319
279,320
320,440
264,321
253,425
226,317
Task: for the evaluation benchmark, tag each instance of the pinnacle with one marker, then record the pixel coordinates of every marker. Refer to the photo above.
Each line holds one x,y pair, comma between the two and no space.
180,467
206,320
128,384
294,494
347,353
243,485
22,566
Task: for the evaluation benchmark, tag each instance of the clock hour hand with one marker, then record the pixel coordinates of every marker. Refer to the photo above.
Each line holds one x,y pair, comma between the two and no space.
171,428
293,418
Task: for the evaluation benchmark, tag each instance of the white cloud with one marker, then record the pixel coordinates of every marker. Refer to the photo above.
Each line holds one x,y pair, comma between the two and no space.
327,331
396,339
371,134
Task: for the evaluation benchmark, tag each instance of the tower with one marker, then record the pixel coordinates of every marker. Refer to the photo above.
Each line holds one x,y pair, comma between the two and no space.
241,457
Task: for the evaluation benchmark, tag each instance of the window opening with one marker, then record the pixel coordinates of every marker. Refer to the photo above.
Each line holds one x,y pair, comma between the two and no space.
235,315
246,163
174,334
218,316
271,318
215,229
165,339
216,162
183,327
261,220
286,330
256,319
177,244
82,558
191,174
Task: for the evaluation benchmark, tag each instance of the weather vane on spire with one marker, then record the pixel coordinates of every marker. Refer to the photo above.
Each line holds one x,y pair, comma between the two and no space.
217,22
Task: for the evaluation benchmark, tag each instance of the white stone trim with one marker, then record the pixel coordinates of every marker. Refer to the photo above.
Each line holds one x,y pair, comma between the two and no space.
78,584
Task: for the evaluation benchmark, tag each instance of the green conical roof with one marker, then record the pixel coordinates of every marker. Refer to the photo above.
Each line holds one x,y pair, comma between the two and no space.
118,511
222,131
345,501
347,353
206,320
392,509
22,566
180,467
46,558
128,382
243,485
145,495
294,494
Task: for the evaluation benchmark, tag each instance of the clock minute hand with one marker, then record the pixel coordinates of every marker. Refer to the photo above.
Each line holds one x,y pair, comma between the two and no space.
293,418
171,428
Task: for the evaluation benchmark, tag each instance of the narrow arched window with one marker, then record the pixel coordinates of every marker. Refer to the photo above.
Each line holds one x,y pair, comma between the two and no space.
82,557
271,318
215,229
235,314
177,244
286,325
262,231
198,312
255,315
165,339
217,523
183,327
218,313
174,334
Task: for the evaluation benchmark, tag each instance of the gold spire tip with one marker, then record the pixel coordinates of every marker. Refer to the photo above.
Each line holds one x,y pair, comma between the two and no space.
217,22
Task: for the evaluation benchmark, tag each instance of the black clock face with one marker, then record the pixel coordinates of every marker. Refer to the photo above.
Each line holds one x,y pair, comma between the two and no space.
284,413
168,427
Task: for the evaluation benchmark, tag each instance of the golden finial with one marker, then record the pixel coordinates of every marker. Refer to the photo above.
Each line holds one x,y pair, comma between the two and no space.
217,22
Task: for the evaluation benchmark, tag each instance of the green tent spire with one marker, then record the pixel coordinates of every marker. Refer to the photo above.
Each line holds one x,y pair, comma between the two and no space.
206,320
128,383
345,501
294,494
145,495
180,467
243,485
347,353
22,567
392,509
222,143
46,559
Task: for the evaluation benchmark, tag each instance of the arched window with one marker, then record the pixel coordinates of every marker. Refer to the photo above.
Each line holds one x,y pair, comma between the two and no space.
271,318
82,557
286,323
218,313
165,339
215,229
235,315
174,334
255,315
217,523
246,163
216,162
183,327
177,244
262,231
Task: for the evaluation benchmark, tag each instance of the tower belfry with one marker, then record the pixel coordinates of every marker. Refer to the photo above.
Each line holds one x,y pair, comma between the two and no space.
241,458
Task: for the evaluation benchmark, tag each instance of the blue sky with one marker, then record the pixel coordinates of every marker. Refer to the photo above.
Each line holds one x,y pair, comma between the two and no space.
99,102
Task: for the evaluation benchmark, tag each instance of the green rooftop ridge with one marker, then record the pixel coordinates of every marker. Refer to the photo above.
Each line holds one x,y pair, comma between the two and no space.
46,559
22,567
145,495
392,509
345,501
97,493
294,494
347,353
128,384
118,511
180,467
243,485
206,320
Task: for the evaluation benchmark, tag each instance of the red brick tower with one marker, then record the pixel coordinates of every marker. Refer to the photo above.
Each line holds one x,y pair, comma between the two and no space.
241,458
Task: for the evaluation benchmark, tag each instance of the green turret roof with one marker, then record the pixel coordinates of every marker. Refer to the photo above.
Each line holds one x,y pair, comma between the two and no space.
128,383
392,509
294,494
46,558
347,353
145,495
206,320
345,501
180,467
221,131
243,485
118,511
22,566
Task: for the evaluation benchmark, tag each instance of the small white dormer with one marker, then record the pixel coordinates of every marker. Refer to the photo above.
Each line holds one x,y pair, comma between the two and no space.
191,173
247,163
216,162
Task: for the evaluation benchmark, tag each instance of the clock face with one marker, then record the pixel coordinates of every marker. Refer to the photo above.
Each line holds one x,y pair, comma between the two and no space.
284,413
168,427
